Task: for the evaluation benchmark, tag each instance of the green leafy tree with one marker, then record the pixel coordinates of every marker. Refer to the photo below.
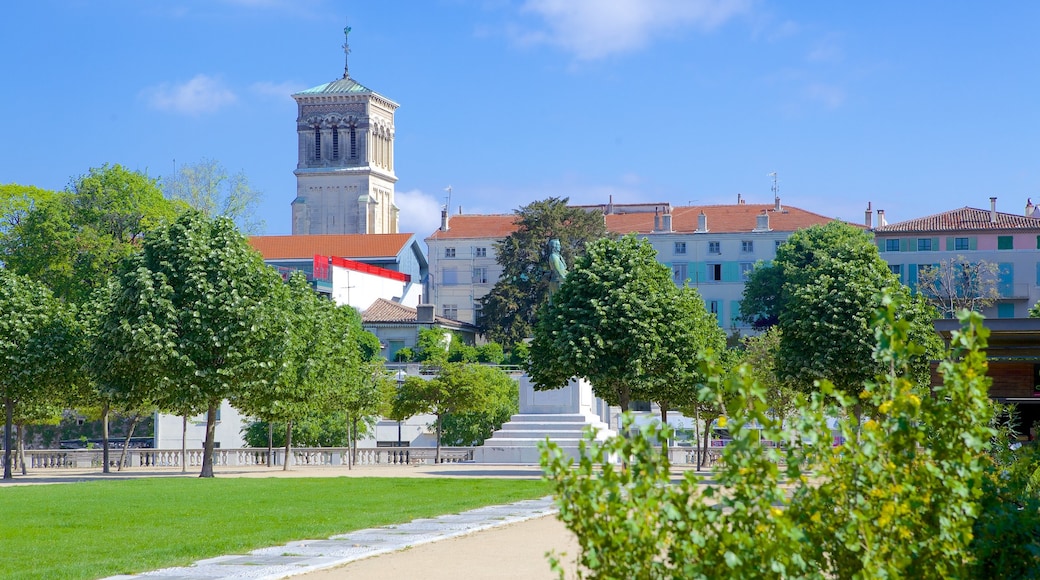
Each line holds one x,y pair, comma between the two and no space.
193,315
304,382
474,427
825,284
72,242
611,322
458,388
759,352
326,430
510,308
694,332
432,346
39,346
207,187
16,201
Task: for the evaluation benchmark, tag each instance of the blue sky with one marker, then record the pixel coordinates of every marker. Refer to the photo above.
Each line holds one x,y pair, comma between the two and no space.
917,107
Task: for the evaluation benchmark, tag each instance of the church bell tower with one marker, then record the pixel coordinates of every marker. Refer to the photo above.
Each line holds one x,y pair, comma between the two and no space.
345,173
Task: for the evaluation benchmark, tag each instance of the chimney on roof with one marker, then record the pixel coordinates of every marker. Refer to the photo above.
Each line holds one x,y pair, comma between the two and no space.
776,204
444,220
762,222
666,219
740,200
460,210
867,217
424,314
992,210
1029,207
610,205
881,222
657,219
702,222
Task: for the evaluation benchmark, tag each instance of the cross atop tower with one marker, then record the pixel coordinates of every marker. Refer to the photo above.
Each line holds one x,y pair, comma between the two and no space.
346,52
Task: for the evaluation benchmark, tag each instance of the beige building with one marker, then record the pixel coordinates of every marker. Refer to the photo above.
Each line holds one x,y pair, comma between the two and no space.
345,173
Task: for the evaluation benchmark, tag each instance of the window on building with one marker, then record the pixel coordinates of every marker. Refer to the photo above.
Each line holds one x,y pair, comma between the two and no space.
896,269
713,307
924,244
680,248
478,310
451,311
747,246
1005,243
679,273
449,252
1005,310
891,245
776,244
715,272
317,143
335,142
714,248
745,270
353,142
480,275
480,252
961,244
639,406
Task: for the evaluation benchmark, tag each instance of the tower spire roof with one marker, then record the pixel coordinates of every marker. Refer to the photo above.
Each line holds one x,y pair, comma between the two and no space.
346,52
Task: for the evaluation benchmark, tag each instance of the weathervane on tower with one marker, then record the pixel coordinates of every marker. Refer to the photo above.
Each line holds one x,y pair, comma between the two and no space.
346,52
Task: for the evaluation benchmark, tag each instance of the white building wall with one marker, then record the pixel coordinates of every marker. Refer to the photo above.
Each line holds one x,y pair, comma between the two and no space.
361,289
228,433
462,271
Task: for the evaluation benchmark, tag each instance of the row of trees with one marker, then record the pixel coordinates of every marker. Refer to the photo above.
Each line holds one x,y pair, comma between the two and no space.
118,297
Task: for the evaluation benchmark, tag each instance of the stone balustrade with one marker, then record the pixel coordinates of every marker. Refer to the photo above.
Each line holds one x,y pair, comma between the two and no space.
43,459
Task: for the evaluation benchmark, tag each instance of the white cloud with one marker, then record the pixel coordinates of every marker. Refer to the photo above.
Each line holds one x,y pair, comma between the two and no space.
420,212
202,94
827,50
594,29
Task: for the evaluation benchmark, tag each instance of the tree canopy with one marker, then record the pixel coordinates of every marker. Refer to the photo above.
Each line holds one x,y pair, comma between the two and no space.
959,284
612,322
39,347
457,388
823,289
74,240
509,309
192,314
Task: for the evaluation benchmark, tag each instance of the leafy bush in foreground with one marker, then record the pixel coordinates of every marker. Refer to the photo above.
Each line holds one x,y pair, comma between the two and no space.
898,499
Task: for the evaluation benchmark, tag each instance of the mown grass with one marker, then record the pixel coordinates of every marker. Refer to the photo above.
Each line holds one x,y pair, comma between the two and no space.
97,529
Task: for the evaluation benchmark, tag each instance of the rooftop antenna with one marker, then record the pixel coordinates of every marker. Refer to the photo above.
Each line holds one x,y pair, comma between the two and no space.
346,52
776,187
447,205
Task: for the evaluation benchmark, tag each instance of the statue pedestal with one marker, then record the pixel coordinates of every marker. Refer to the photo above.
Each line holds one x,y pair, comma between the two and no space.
561,415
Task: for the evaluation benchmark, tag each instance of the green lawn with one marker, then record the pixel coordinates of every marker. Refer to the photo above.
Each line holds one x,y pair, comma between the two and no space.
96,529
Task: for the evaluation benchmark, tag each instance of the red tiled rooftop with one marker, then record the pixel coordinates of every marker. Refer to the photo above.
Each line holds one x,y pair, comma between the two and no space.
734,218
965,218
389,312
342,246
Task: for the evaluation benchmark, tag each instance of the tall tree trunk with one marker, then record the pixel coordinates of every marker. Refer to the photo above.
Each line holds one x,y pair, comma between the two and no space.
211,429
288,445
664,421
437,454
8,424
707,436
104,437
270,444
350,464
21,447
126,442
184,443
353,437
697,435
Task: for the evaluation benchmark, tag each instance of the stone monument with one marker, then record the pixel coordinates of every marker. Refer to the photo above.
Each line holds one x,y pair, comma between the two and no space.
561,415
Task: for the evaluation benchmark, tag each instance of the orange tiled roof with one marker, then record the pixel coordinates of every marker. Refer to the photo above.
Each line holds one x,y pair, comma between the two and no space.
965,218
389,312
734,218
341,246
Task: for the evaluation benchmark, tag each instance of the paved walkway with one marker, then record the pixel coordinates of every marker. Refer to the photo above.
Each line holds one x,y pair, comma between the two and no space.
302,557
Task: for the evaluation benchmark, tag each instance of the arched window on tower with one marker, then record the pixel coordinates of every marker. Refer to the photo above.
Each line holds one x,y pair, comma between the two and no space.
335,142
317,143
353,142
